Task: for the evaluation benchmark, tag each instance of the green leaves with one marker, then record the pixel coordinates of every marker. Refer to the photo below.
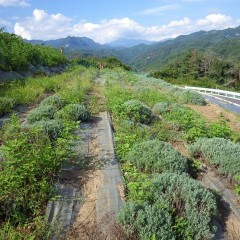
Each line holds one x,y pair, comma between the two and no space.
17,55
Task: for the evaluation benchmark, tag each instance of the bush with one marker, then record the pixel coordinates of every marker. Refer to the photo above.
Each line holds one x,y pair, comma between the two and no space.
52,128
223,153
186,198
29,165
6,105
174,205
156,156
163,107
54,101
149,222
188,96
137,111
73,112
41,113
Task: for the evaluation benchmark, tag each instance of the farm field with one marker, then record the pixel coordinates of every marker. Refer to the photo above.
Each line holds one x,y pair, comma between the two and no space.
163,140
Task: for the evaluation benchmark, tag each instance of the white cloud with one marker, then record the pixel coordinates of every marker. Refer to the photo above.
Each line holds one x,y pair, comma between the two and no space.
14,3
43,26
52,26
159,10
215,21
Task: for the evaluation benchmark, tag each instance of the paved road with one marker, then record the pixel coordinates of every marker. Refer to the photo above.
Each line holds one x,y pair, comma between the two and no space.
223,103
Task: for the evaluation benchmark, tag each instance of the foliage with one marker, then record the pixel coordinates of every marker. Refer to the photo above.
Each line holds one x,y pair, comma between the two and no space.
41,113
16,55
6,105
73,112
220,152
54,101
29,165
187,198
156,156
187,205
149,221
137,111
53,128
181,95
194,126
191,97
200,68
163,107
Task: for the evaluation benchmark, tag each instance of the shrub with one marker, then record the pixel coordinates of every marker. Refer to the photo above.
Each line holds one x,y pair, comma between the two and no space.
41,113
54,101
188,96
163,107
223,153
137,111
187,198
52,128
149,222
174,207
73,112
156,156
6,105
30,162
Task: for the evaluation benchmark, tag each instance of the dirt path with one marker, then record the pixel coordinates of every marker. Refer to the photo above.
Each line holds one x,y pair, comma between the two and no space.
102,190
103,187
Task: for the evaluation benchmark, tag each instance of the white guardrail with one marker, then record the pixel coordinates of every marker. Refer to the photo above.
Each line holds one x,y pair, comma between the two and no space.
217,92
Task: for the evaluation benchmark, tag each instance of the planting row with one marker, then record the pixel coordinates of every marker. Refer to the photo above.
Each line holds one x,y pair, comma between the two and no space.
27,91
163,201
32,154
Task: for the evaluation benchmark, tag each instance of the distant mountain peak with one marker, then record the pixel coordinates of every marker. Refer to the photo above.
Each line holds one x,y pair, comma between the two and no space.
126,43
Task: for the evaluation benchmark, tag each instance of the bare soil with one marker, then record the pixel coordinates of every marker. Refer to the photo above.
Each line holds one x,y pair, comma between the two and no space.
213,112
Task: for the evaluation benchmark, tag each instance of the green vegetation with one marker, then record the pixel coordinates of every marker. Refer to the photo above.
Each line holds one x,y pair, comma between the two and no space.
6,105
137,111
163,205
202,69
54,101
42,113
16,55
68,86
73,112
222,153
173,206
156,156
180,95
32,154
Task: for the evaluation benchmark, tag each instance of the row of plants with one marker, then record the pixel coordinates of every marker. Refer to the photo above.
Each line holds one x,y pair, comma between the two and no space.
163,201
16,55
32,154
222,154
27,91
192,124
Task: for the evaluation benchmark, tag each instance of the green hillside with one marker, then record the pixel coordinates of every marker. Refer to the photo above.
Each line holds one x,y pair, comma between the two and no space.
225,43
200,68
16,55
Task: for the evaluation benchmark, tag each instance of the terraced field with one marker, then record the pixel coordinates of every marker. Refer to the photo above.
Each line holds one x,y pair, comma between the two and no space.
165,147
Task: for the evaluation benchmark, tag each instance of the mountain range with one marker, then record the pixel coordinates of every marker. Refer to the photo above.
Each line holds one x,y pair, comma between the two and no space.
146,55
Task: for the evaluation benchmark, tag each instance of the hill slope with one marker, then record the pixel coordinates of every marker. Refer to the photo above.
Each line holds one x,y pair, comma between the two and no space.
223,42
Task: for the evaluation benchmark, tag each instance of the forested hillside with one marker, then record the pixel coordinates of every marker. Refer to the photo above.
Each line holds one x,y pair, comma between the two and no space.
201,68
225,43
16,55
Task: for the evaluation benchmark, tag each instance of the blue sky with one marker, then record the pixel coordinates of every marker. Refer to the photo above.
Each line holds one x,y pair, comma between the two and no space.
106,20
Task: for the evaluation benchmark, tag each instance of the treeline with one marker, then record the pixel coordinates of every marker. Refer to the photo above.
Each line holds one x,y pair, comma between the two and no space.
16,55
101,63
201,68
